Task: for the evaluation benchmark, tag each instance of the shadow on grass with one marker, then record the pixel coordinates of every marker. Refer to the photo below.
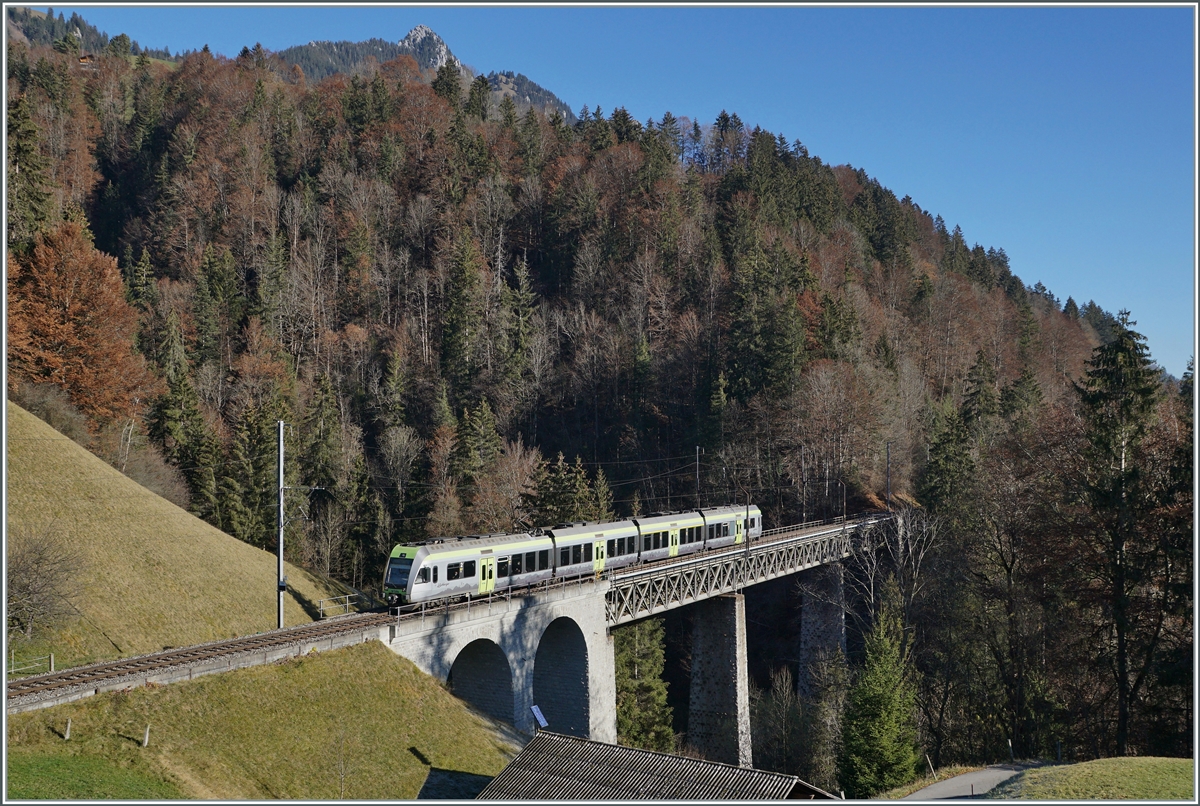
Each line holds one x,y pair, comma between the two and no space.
452,785
308,605
448,784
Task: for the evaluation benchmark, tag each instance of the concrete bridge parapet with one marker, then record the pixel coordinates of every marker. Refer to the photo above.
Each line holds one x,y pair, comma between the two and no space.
551,649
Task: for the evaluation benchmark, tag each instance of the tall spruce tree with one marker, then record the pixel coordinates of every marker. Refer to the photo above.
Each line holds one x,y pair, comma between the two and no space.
1118,398
28,200
463,328
643,716
879,732
947,474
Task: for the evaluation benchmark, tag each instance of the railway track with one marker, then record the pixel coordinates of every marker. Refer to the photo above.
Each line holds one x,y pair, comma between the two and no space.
103,675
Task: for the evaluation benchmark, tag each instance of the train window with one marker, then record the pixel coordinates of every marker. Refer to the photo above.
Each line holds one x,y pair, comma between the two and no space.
453,571
710,531
502,567
646,543
397,572
543,560
587,552
469,568
423,575
620,545
576,554
435,573
612,548
725,530
516,564
564,556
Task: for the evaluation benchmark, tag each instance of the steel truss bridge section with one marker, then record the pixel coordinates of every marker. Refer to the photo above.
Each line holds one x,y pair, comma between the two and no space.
636,594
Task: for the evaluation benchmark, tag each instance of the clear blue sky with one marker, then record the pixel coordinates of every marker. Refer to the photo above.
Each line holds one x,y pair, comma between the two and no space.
1064,135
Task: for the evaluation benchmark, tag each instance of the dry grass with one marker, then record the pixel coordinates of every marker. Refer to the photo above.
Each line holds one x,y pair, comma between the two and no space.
151,575
356,723
1145,779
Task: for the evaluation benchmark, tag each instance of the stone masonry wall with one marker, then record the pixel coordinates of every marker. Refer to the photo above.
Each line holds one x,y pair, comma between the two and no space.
719,713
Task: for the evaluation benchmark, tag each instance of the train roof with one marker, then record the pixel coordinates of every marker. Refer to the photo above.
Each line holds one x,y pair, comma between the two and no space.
660,518
731,509
475,543
598,528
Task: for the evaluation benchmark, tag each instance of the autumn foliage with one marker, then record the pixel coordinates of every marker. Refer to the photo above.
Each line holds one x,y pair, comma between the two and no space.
69,324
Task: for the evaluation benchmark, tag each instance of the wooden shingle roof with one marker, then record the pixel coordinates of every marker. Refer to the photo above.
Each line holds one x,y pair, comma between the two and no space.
557,767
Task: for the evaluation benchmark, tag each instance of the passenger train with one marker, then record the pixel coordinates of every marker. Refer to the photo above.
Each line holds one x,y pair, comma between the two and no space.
447,568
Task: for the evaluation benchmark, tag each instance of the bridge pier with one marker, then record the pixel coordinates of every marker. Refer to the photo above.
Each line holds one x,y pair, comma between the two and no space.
822,621
719,711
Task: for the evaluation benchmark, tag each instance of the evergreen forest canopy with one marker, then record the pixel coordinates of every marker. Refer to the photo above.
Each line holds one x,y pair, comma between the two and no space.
476,319
74,34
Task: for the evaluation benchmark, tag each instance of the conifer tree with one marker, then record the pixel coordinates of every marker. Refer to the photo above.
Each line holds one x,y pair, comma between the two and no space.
508,114
948,473
143,291
463,327
321,458
477,98
981,401
479,443
1117,400
879,733
171,411
446,84
563,495
239,496
27,198
643,716
1021,398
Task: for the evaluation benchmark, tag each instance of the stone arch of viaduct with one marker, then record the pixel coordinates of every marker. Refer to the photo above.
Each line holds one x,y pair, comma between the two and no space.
552,650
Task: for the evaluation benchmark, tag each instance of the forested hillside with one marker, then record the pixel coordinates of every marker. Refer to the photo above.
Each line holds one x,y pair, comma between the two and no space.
476,320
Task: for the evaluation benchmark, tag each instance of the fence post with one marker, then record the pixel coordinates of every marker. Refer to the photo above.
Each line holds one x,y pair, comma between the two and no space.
146,738
52,663
67,735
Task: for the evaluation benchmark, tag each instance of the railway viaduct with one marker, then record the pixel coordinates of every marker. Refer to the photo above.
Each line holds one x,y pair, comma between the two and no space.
553,648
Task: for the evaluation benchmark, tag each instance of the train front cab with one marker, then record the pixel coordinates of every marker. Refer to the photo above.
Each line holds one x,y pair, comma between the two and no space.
398,578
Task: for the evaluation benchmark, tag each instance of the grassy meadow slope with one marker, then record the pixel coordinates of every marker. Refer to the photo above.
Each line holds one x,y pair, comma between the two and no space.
1145,778
150,574
358,722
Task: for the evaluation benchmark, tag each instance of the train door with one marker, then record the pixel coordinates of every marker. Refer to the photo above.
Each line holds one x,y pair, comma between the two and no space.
737,530
673,539
598,554
487,575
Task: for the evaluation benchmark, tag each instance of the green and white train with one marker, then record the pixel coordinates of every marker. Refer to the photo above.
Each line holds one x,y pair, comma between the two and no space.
450,568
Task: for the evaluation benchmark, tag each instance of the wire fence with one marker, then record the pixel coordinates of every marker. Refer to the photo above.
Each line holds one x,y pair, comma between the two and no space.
45,663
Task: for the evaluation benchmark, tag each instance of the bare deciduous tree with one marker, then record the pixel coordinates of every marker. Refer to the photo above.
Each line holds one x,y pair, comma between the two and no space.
42,571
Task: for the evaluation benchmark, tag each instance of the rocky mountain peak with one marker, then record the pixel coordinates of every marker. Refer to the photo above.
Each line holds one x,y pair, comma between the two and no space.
428,48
